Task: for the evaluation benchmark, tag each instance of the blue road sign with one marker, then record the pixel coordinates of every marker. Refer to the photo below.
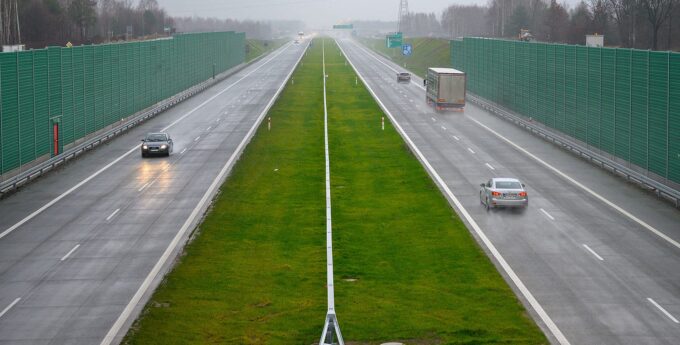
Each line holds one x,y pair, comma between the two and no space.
407,49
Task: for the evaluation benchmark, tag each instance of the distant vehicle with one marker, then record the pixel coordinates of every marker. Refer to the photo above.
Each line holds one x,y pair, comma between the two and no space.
296,41
503,192
301,33
157,144
445,88
404,77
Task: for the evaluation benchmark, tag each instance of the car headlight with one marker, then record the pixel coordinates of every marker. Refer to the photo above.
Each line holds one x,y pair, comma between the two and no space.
144,147
163,147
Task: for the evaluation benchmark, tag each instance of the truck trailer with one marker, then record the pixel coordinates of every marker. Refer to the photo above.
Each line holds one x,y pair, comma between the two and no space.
445,88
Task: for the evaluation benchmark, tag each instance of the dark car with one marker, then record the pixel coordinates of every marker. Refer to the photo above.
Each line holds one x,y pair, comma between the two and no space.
156,144
404,77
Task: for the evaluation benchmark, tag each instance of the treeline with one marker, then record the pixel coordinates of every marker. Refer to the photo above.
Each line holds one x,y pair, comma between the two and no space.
55,22
263,30
645,24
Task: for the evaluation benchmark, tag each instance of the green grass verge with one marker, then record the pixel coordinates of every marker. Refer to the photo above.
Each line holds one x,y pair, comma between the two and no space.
427,52
255,48
406,268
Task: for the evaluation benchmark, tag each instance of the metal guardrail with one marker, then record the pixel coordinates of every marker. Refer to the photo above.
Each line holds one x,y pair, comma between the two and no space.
14,182
631,175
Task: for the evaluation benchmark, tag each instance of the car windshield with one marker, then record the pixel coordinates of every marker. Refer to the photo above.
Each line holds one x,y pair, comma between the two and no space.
156,137
508,185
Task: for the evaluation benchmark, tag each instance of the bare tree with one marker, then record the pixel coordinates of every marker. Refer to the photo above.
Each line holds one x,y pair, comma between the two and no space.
657,13
624,12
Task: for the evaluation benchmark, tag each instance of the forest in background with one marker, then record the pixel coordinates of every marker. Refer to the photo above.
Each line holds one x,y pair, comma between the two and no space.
56,22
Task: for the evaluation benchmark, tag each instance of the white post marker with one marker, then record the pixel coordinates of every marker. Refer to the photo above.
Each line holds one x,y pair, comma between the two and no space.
269,123
383,123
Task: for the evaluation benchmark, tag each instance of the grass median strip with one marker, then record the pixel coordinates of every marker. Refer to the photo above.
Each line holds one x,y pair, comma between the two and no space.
405,266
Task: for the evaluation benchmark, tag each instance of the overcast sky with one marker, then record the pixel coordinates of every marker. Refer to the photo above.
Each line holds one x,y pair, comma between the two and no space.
316,13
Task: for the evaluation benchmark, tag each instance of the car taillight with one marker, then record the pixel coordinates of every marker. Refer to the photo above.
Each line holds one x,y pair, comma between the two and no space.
522,193
495,193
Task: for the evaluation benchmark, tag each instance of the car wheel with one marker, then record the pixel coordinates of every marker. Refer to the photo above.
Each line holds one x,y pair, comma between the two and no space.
488,206
143,155
481,200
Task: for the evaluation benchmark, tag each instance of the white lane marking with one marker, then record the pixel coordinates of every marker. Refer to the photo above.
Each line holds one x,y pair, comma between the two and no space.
593,252
471,151
444,128
209,127
558,172
455,137
652,302
478,230
547,214
489,166
146,284
582,186
198,137
112,214
184,150
433,119
4,311
98,172
70,252
144,186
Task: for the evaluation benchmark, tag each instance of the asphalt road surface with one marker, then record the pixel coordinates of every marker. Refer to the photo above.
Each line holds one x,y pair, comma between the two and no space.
82,248
598,259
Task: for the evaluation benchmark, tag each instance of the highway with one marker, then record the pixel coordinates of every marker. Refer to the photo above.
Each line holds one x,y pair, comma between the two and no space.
82,249
594,259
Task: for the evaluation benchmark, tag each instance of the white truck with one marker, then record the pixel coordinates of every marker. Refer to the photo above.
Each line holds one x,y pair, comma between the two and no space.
445,88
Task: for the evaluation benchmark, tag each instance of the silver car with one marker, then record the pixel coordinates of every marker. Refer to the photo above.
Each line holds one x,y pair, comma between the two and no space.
503,192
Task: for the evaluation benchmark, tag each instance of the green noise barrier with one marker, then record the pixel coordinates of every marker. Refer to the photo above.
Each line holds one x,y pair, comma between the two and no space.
623,102
53,97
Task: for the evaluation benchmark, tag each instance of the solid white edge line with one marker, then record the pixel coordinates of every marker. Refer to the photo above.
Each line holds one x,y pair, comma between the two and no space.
10,306
70,252
112,214
489,166
129,308
593,252
559,172
547,214
660,308
556,332
98,172
198,137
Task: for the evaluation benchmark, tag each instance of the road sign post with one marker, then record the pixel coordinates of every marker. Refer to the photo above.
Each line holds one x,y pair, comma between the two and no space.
394,40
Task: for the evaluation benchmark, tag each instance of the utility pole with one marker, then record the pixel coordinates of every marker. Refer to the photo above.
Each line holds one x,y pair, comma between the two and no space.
403,11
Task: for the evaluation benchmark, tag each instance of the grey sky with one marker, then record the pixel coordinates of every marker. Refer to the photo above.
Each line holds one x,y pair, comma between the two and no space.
316,13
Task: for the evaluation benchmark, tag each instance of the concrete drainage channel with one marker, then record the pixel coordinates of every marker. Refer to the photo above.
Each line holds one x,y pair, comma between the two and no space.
12,184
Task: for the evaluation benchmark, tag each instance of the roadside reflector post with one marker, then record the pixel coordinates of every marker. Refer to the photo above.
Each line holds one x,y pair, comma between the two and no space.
383,123
269,123
356,81
292,81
